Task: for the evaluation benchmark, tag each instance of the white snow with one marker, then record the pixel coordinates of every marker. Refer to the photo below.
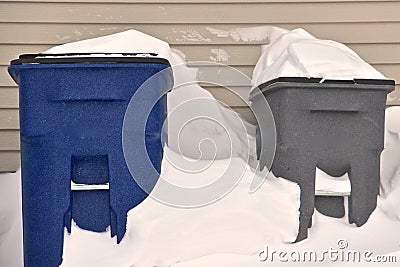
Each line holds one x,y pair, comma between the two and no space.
380,235
297,53
152,234
238,223
191,36
10,220
390,158
390,205
252,34
221,55
328,185
390,164
222,134
392,124
130,41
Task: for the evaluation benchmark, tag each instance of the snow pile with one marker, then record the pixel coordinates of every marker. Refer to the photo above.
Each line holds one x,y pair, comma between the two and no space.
328,185
10,220
238,223
297,53
161,235
392,126
323,236
390,164
228,134
130,41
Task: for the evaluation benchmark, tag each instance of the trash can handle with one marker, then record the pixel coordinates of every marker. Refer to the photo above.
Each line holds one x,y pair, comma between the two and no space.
314,108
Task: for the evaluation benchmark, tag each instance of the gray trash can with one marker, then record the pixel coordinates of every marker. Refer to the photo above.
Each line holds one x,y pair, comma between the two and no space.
337,126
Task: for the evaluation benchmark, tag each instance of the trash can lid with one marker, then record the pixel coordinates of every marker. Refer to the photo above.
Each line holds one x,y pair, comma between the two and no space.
64,58
285,82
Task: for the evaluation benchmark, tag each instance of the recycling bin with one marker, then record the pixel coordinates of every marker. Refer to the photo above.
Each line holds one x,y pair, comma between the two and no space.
335,125
72,110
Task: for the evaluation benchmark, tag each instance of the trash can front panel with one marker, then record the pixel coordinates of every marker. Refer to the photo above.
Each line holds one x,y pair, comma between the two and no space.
51,87
321,118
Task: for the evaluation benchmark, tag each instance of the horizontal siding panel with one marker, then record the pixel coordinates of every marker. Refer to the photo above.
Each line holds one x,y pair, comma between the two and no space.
228,96
378,53
9,161
246,114
199,13
8,97
178,34
249,54
193,1
5,78
9,140
10,51
391,71
9,119
393,98
228,54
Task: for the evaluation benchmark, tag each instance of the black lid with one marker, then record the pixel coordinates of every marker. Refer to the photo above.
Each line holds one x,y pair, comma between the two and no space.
42,58
320,80
303,82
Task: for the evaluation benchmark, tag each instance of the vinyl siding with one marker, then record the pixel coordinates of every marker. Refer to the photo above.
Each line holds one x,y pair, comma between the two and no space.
369,27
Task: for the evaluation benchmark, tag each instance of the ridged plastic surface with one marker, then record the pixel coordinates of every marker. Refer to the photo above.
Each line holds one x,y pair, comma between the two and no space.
71,118
335,126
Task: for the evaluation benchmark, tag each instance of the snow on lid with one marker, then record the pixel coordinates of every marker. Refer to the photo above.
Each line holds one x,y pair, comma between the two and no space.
85,55
130,41
297,53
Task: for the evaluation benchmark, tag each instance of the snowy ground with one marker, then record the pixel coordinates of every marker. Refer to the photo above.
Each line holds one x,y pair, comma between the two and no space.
230,232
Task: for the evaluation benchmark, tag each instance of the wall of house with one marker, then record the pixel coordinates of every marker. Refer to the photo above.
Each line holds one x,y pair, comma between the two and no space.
200,29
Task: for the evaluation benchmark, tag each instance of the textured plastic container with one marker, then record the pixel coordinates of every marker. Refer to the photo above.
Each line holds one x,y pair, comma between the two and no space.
337,126
71,117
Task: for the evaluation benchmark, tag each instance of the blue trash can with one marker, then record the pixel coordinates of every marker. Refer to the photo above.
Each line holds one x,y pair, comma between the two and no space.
72,109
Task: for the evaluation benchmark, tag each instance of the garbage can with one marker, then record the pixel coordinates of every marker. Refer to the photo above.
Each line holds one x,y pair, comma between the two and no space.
72,108
335,125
